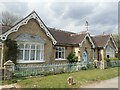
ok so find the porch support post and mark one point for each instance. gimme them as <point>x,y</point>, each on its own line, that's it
<point>93,54</point>
<point>103,61</point>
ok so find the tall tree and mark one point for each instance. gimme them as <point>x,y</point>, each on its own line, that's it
<point>117,40</point>
<point>9,19</point>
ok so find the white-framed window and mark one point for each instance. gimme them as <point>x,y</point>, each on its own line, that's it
<point>110,52</point>
<point>60,53</point>
<point>30,52</point>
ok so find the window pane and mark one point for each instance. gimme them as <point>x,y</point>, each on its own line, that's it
<point>27,46</point>
<point>32,46</point>
<point>56,56</point>
<point>63,49</point>
<point>38,47</point>
<point>20,56</point>
<point>59,55</point>
<point>62,54</point>
<point>42,55</point>
<point>38,55</point>
<point>32,55</point>
<point>60,49</point>
<point>26,54</point>
<point>42,47</point>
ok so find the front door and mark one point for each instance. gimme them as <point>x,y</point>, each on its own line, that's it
<point>85,57</point>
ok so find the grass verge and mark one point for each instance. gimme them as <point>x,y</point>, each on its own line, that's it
<point>60,80</point>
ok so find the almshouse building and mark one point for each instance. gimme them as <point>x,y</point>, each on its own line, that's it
<point>39,44</point>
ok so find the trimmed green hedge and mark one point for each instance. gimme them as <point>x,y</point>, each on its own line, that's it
<point>107,59</point>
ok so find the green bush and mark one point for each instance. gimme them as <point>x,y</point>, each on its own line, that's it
<point>108,62</point>
<point>10,50</point>
<point>84,68</point>
<point>110,59</point>
<point>72,58</point>
<point>90,65</point>
<point>107,59</point>
<point>45,73</point>
<point>113,58</point>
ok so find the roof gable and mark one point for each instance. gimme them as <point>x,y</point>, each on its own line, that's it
<point>100,40</point>
<point>24,21</point>
<point>77,38</point>
<point>90,39</point>
<point>113,41</point>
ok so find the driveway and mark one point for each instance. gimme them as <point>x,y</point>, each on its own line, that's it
<point>111,83</point>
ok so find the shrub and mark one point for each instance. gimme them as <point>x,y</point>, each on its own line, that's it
<point>113,58</point>
<point>108,62</point>
<point>10,50</point>
<point>84,68</point>
<point>107,59</point>
<point>72,58</point>
<point>90,65</point>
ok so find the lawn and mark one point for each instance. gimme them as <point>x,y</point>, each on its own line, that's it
<point>60,81</point>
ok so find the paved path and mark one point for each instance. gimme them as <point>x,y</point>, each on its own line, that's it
<point>9,86</point>
<point>111,83</point>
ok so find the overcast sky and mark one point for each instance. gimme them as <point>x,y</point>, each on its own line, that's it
<point>69,15</point>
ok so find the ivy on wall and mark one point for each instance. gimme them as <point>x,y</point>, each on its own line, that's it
<point>10,50</point>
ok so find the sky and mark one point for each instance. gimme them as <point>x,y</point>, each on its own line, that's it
<point>69,15</point>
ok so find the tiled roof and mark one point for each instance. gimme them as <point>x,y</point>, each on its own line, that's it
<point>65,37</point>
<point>101,40</point>
<point>61,37</point>
<point>77,38</point>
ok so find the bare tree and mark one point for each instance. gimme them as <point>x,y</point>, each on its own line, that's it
<point>9,19</point>
<point>116,38</point>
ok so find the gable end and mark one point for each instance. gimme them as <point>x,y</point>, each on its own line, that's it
<point>93,45</point>
<point>111,37</point>
<point>24,21</point>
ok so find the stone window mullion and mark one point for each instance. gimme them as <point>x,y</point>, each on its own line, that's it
<point>24,52</point>
<point>30,52</point>
<point>35,51</point>
<point>40,52</point>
